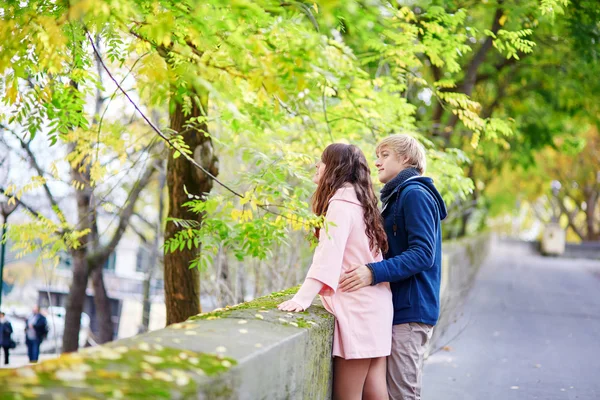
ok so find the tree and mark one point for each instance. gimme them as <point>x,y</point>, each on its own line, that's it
<point>182,284</point>
<point>541,84</point>
<point>579,175</point>
<point>266,84</point>
<point>563,184</point>
<point>50,87</point>
<point>155,259</point>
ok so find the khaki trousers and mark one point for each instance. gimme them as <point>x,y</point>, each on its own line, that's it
<point>405,363</point>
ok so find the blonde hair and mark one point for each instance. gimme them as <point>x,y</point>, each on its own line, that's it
<point>405,147</point>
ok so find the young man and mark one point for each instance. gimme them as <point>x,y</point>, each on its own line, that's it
<point>412,213</point>
<point>36,331</point>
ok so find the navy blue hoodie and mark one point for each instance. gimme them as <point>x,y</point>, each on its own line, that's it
<point>412,220</point>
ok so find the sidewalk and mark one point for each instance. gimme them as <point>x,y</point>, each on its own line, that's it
<point>20,360</point>
<point>529,330</point>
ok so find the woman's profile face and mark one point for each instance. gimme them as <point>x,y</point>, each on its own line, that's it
<point>320,169</point>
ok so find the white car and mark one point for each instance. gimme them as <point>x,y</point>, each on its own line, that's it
<point>56,323</point>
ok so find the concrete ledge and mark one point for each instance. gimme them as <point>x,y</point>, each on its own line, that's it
<point>587,250</point>
<point>460,263</point>
<point>252,351</point>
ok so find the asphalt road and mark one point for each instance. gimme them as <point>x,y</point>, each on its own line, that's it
<point>530,330</point>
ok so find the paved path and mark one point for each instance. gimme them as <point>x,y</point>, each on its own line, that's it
<point>19,360</point>
<point>530,330</point>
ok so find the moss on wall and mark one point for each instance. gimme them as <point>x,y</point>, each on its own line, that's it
<point>142,371</point>
<point>142,368</point>
<point>267,302</point>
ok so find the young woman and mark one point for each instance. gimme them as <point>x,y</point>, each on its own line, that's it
<point>353,235</point>
<point>6,342</point>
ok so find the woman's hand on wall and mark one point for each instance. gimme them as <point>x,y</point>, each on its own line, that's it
<point>290,306</point>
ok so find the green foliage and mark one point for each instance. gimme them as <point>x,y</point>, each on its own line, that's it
<point>283,80</point>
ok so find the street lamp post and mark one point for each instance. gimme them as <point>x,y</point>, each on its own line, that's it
<point>5,209</point>
<point>555,185</point>
<point>2,252</point>
<point>554,237</point>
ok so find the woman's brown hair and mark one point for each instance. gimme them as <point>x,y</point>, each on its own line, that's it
<point>346,163</point>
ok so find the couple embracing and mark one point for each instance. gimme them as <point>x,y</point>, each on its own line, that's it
<point>377,272</point>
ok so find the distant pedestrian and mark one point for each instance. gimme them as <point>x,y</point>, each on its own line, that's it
<point>36,331</point>
<point>6,341</point>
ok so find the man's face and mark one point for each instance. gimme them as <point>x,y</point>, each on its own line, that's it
<point>388,165</point>
<point>36,309</point>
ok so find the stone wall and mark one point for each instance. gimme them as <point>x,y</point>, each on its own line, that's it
<point>460,263</point>
<point>249,351</point>
<point>588,250</point>
<point>585,250</point>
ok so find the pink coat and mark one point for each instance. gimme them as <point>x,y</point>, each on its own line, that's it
<point>363,318</point>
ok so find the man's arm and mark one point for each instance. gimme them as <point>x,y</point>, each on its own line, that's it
<point>420,215</point>
<point>41,321</point>
<point>420,218</point>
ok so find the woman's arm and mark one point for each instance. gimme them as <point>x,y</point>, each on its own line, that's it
<point>324,273</point>
<point>304,297</point>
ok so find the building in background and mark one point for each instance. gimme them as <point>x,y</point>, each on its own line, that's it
<point>124,274</point>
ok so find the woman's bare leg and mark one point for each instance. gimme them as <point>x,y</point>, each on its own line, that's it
<point>375,384</point>
<point>349,378</point>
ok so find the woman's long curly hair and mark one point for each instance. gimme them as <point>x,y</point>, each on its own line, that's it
<point>347,164</point>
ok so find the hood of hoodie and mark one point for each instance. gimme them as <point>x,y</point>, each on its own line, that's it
<point>427,183</point>
<point>346,193</point>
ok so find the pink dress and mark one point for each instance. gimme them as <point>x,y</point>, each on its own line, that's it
<point>363,318</point>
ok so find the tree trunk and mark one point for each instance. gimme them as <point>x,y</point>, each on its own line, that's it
<point>241,286</point>
<point>101,300</point>
<point>470,78</point>
<point>182,284</point>
<point>218,274</point>
<point>75,301</point>
<point>77,295</point>
<point>570,217</point>
<point>464,223</point>
<point>590,216</point>
<point>224,279</point>
<point>154,256</point>
<point>466,214</point>
<point>103,309</point>
<point>146,303</point>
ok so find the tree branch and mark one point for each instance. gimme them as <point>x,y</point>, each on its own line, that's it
<point>571,218</point>
<point>470,78</point>
<point>158,131</point>
<point>144,220</point>
<point>29,208</point>
<point>163,136</point>
<point>39,170</point>
<point>489,110</point>
<point>128,210</point>
<point>479,58</point>
<point>137,232</point>
<point>325,113</point>
<point>506,62</point>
